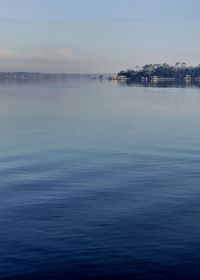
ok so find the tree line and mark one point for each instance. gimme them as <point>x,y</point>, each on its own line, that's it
<point>148,71</point>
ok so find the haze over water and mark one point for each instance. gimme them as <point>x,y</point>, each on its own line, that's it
<point>99,181</point>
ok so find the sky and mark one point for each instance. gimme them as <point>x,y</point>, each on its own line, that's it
<point>97,36</point>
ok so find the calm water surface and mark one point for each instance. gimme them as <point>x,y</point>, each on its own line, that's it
<point>99,181</point>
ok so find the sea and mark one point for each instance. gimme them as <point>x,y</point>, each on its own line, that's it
<point>99,180</point>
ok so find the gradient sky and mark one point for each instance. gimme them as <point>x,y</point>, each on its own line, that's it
<point>90,36</point>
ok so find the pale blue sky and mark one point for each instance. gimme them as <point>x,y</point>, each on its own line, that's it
<point>89,36</point>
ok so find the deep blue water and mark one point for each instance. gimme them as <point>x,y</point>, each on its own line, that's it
<point>99,181</point>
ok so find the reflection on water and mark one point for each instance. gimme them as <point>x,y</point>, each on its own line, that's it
<point>99,181</point>
<point>161,83</point>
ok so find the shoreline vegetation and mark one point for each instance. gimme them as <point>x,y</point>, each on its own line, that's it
<point>36,76</point>
<point>159,72</point>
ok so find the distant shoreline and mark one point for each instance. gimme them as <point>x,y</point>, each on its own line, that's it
<point>37,76</point>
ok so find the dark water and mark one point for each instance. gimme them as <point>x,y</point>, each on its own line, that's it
<point>99,181</point>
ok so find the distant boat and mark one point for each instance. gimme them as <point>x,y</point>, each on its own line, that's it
<point>112,77</point>
<point>121,78</point>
